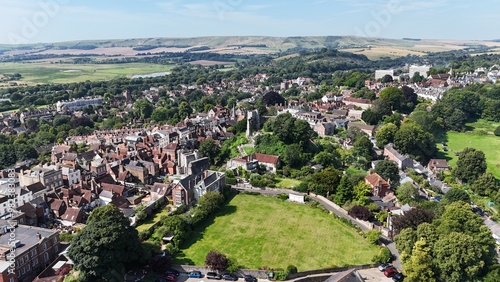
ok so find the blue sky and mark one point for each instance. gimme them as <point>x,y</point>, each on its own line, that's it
<point>29,21</point>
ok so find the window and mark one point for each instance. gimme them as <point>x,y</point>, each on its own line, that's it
<point>33,252</point>
<point>44,246</point>
<point>35,262</point>
<point>46,257</point>
<point>56,247</point>
<point>23,271</point>
<point>26,258</point>
<point>11,279</point>
<point>55,240</point>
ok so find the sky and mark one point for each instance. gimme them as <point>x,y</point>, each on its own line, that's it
<point>34,21</point>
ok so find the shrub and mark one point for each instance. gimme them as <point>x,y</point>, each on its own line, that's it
<point>360,212</point>
<point>145,234</point>
<point>231,181</point>
<point>372,236</point>
<point>383,256</point>
<point>66,237</point>
<point>497,131</point>
<point>280,275</point>
<point>283,196</point>
<point>291,269</point>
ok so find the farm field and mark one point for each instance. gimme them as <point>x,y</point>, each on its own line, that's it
<point>479,136</point>
<point>259,231</point>
<point>34,73</point>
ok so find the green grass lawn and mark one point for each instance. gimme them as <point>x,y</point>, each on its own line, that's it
<point>287,183</point>
<point>65,73</point>
<point>259,231</point>
<point>152,220</point>
<point>489,144</point>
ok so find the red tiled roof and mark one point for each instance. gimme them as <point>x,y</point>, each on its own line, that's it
<point>118,189</point>
<point>72,214</point>
<point>374,180</point>
<point>263,158</point>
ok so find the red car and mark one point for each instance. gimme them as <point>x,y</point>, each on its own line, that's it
<point>389,272</point>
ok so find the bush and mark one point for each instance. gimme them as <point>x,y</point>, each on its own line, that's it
<point>497,131</point>
<point>231,181</point>
<point>372,236</point>
<point>145,234</point>
<point>283,196</point>
<point>291,269</point>
<point>280,275</point>
<point>66,237</point>
<point>360,212</point>
<point>383,256</point>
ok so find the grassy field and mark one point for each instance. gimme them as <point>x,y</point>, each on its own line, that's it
<point>479,136</point>
<point>287,183</point>
<point>152,220</point>
<point>34,73</point>
<point>260,231</point>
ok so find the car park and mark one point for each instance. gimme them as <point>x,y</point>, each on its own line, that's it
<point>229,277</point>
<point>250,278</point>
<point>194,274</point>
<point>390,272</point>
<point>384,266</point>
<point>213,275</point>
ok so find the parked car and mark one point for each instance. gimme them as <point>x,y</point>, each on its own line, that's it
<point>172,271</point>
<point>194,274</point>
<point>213,275</point>
<point>250,278</point>
<point>384,266</point>
<point>170,278</point>
<point>390,272</point>
<point>398,277</point>
<point>229,277</point>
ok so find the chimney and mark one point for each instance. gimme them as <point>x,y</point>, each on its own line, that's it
<point>38,236</point>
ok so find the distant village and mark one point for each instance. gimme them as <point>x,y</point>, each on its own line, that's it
<point>149,165</point>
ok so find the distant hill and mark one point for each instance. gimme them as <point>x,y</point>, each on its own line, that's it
<point>240,45</point>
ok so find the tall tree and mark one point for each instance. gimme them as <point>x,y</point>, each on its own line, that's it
<point>412,140</point>
<point>394,96</point>
<point>407,193</point>
<point>389,171</point>
<point>102,249</point>
<point>419,267</point>
<point>143,109</point>
<point>405,241</point>
<point>458,258</point>
<point>411,219</point>
<point>470,165</point>
<point>325,182</point>
<point>344,191</point>
<point>485,185</point>
<point>209,149</point>
<point>216,261</point>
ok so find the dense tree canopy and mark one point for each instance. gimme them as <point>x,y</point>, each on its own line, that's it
<point>412,140</point>
<point>102,249</point>
<point>389,171</point>
<point>470,165</point>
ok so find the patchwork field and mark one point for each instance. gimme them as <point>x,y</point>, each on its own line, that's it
<point>259,231</point>
<point>480,137</point>
<point>34,73</point>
